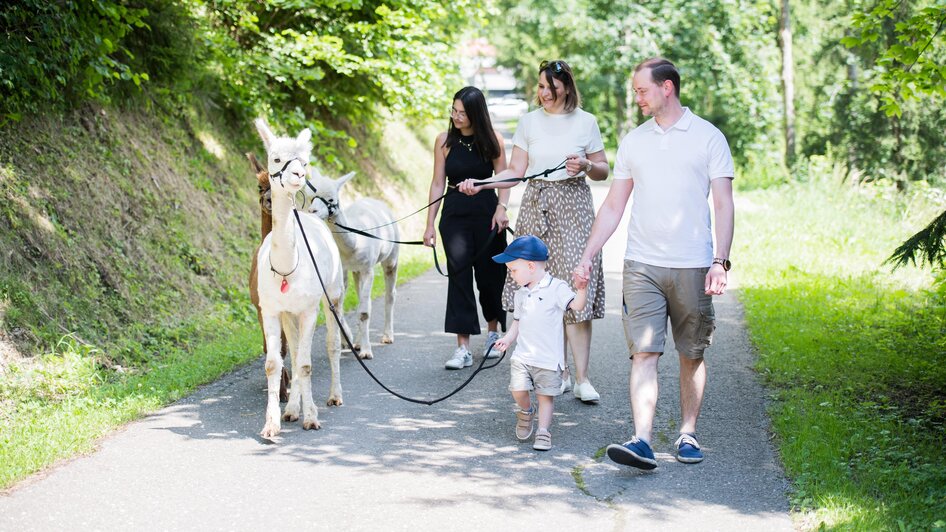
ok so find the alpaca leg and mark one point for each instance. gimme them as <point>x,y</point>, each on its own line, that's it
<point>366,279</point>
<point>333,347</point>
<point>356,338</point>
<point>291,330</point>
<point>310,414</point>
<point>273,368</point>
<point>390,293</point>
<point>284,378</point>
<point>340,308</point>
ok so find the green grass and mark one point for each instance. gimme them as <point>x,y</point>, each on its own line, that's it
<point>853,353</point>
<point>59,405</point>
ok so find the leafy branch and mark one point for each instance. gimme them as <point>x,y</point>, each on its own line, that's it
<point>929,244</point>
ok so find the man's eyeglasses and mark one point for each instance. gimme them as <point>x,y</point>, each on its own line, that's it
<point>556,66</point>
<point>457,114</point>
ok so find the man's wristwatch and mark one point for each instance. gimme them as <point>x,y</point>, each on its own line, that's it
<point>723,262</point>
<point>588,167</point>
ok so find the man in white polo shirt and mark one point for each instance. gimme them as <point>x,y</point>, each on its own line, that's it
<point>671,163</point>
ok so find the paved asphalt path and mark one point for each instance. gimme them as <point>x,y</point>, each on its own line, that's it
<point>380,463</point>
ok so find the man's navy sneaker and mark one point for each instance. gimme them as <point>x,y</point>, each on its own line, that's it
<point>635,453</point>
<point>688,449</point>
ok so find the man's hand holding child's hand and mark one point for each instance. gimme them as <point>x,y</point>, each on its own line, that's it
<point>580,282</point>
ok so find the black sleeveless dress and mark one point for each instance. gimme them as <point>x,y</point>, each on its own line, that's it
<point>464,231</point>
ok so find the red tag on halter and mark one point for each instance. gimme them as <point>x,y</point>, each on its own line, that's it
<point>284,287</point>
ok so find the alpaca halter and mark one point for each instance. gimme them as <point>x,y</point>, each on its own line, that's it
<point>278,175</point>
<point>331,205</point>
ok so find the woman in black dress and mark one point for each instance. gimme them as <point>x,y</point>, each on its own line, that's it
<point>470,149</point>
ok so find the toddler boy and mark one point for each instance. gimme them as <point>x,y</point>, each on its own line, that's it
<point>537,362</point>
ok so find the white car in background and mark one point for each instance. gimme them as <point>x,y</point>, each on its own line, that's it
<point>505,105</point>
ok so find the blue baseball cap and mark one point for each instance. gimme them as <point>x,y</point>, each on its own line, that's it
<point>525,247</point>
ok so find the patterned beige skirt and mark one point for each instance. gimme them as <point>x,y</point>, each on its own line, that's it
<point>561,214</point>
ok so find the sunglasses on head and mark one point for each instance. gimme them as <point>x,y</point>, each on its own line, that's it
<point>557,67</point>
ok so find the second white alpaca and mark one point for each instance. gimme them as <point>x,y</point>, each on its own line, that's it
<point>361,253</point>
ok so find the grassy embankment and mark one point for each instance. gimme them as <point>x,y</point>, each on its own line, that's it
<point>853,353</point>
<point>127,238</point>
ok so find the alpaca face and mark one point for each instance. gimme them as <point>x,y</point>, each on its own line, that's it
<point>326,203</point>
<point>287,158</point>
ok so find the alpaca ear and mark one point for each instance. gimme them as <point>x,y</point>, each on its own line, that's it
<point>304,136</point>
<point>264,132</point>
<point>345,178</point>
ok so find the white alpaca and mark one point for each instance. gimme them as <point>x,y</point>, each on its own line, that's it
<point>361,253</point>
<point>289,289</point>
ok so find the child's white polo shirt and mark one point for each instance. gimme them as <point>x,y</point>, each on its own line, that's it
<point>540,311</point>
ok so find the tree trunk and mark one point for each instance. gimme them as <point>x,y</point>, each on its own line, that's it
<point>788,81</point>
<point>629,120</point>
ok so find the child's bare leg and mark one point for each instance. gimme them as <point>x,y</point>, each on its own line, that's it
<point>522,399</point>
<point>546,405</point>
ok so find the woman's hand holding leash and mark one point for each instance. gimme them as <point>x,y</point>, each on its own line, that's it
<point>467,187</point>
<point>430,236</point>
<point>500,219</point>
<point>574,164</point>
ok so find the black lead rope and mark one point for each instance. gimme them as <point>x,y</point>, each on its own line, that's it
<point>341,329</point>
<point>492,236</point>
<point>451,188</point>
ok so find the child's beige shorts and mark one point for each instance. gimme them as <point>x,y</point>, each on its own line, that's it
<point>523,377</point>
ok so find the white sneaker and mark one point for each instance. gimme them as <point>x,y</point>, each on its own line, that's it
<point>491,338</point>
<point>586,393</point>
<point>461,359</point>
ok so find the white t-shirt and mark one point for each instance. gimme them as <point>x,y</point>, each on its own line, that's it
<point>670,219</point>
<point>549,138</point>
<point>541,311</point>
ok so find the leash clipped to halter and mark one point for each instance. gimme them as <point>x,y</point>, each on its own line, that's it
<point>351,346</point>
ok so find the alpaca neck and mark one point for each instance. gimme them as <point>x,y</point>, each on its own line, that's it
<point>283,241</point>
<point>265,223</point>
<point>346,240</point>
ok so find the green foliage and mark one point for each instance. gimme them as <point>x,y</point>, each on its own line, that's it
<point>325,64</point>
<point>64,52</point>
<point>854,355</point>
<point>330,65</point>
<point>929,243</point>
<point>723,48</point>
<point>906,44</point>
<point>911,62</point>
<point>837,113</point>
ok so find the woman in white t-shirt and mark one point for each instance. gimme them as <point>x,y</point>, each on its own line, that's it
<point>558,207</point>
